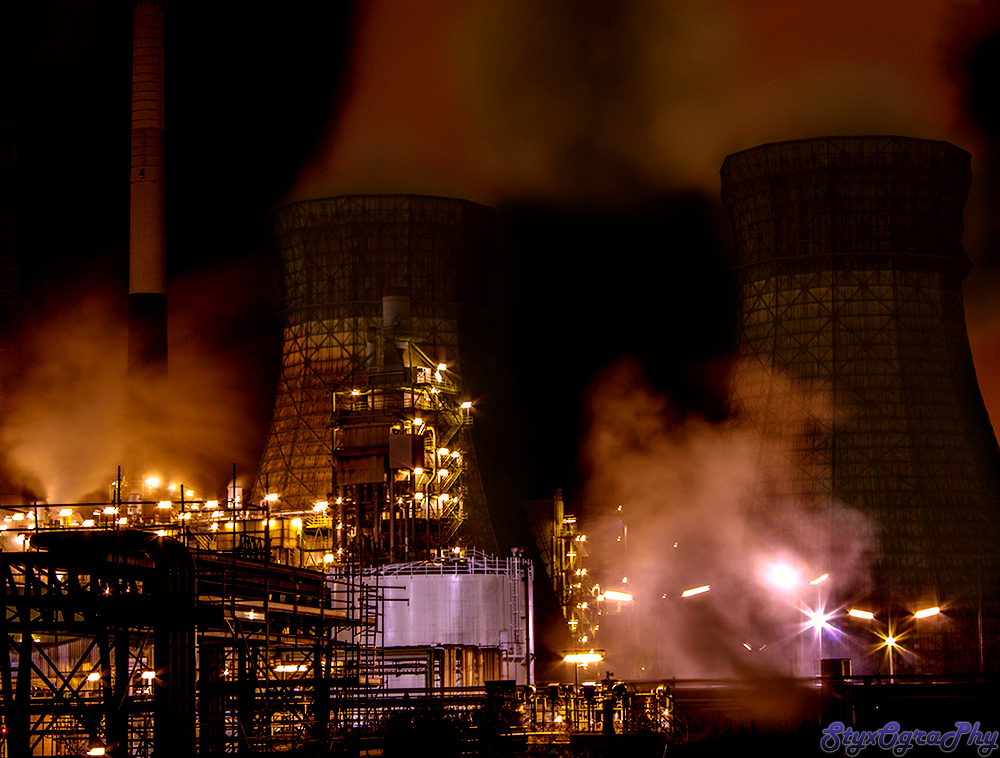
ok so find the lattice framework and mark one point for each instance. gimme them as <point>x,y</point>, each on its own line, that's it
<point>850,258</point>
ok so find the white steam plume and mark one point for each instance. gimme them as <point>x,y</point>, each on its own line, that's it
<point>717,505</point>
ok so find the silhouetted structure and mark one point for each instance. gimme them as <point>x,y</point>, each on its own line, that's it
<point>850,259</point>
<point>384,303</point>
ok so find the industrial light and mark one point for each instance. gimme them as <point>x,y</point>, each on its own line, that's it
<point>110,510</point>
<point>443,497</point>
<point>418,422</point>
<point>818,619</point>
<point>858,614</point>
<point>443,452</point>
<point>926,612</point>
<point>163,504</point>
<point>584,657</point>
<point>320,506</point>
<point>152,482</point>
<point>818,579</point>
<point>442,366</point>
<point>615,595</point>
<point>466,405</point>
<point>19,517</point>
<point>65,512</point>
<point>271,497</point>
<point>296,523</point>
<point>88,522</point>
<point>418,496</point>
<point>147,675</point>
<point>211,504</point>
<point>696,590</point>
<point>783,576</point>
<point>328,558</point>
<point>93,676</point>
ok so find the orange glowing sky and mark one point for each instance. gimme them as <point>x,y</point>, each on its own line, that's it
<point>414,117</point>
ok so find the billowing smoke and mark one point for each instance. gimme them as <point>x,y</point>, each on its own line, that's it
<point>691,506</point>
<point>70,424</point>
<point>569,97</point>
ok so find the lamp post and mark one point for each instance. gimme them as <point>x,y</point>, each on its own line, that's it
<point>582,658</point>
<point>890,640</point>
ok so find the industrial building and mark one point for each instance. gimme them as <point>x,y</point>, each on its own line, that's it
<point>850,260</point>
<point>384,317</point>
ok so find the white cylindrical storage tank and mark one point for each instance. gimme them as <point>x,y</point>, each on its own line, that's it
<point>461,612</point>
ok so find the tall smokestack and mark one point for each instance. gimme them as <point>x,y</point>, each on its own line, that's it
<point>147,300</point>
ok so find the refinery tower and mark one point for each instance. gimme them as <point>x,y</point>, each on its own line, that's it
<point>850,260</point>
<point>370,437</point>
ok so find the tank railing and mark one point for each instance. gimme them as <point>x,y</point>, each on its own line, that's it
<point>470,562</point>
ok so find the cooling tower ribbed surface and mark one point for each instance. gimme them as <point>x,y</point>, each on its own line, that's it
<point>340,256</point>
<point>850,260</point>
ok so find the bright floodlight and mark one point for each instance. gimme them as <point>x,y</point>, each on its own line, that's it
<point>818,619</point>
<point>783,576</point>
<point>861,614</point>
<point>927,612</point>
<point>584,657</point>
<point>271,497</point>
<point>890,642</point>
<point>616,595</point>
<point>696,590</point>
<point>819,579</point>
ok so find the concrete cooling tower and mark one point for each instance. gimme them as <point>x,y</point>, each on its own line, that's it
<point>384,302</point>
<point>850,260</point>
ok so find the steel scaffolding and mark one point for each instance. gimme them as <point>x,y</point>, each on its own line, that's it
<point>850,259</point>
<point>341,258</point>
<point>134,644</point>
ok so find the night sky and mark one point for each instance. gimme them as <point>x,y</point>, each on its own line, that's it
<point>596,129</point>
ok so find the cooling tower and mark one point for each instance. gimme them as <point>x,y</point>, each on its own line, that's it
<point>378,291</point>
<point>850,260</point>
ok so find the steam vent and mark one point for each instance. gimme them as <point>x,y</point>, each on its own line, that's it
<point>850,260</point>
<point>383,304</point>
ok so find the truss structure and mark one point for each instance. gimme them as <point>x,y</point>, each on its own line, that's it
<point>341,256</point>
<point>136,644</point>
<point>850,259</point>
